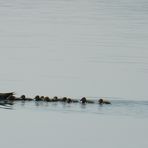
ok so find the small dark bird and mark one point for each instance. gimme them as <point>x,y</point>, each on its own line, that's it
<point>64,99</point>
<point>69,100</point>
<point>47,99</point>
<point>83,100</point>
<point>55,99</point>
<point>37,98</point>
<point>23,97</point>
<point>101,101</point>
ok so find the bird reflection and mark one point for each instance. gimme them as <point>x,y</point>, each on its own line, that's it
<point>6,104</point>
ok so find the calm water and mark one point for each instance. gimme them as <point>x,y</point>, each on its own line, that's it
<point>122,108</point>
<point>74,47</point>
<point>32,124</point>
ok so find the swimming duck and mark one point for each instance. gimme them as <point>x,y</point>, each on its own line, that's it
<point>64,99</point>
<point>83,100</point>
<point>69,100</point>
<point>55,99</point>
<point>42,97</point>
<point>47,99</point>
<point>23,98</point>
<point>6,95</point>
<point>37,98</point>
<point>102,101</point>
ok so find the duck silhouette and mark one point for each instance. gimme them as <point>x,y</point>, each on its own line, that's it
<point>83,100</point>
<point>102,101</point>
<point>4,96</point>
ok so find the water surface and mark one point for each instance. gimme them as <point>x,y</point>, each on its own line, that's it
<point>124,123</point>
<point>74,47</point>
<point>122,108</point>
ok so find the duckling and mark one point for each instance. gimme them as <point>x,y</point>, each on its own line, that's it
<point>42,98</point>
<point>23,97</point>
<point>69,100</point>
<point>47,99</point>
<point>55,99</point>
<point>83,100</point>
<point>64,99</point>
<point>101,101</point>
<point>37,98</point>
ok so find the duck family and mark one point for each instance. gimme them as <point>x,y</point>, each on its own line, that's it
<point>11,97</point>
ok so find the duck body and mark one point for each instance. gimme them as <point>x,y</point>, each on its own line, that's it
<point>90,101</point>
<point>47,99</point>
<point>38,98</point>
<point>64,99</point>
<point>23,98</point>
<point>102,101</point>
<point>4,96</point>
<point>83,100</point>
<point>75,101</point>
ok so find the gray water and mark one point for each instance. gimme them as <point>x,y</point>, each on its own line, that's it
<point>74,48</point>
<point>42,124</point>
<point>122,108</point>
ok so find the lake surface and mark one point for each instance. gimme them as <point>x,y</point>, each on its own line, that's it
<point>123,108</point>
<point>42,124</point>
<point>74,48</point>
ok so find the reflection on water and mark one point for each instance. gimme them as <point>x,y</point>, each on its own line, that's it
<point>6,104</point>
<point>118,107</point>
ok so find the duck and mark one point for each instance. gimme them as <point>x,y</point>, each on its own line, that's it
<point>38,98</point>
<point>42,97</point>
<point>23,98</point>
<point>83,100</point>
<point>69,100</point>
<point>64,99</point>
<point>4,96</point>
<point>55,99</point>
<point>47,99</point>
<point>102,101</point>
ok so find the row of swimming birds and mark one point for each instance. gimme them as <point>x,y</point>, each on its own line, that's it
<point>11,97</point>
